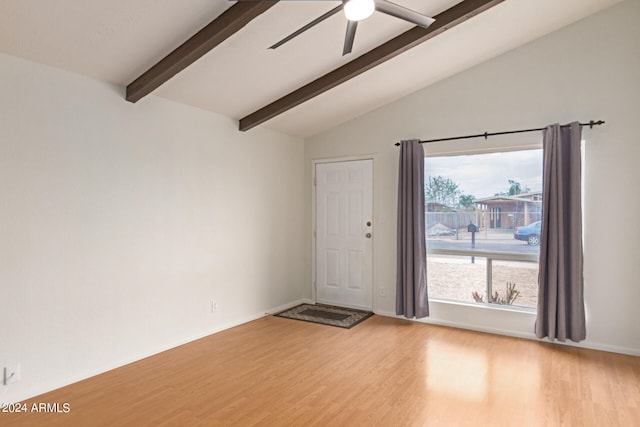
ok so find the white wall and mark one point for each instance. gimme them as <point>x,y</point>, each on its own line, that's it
<point>119,223</point>
<point>588,70</point>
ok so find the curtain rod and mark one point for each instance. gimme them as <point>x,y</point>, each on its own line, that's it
<point>591,124</point>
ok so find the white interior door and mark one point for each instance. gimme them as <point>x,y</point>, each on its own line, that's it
<point>344,233</point>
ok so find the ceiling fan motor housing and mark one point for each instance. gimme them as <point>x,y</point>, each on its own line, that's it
<point>357,10</point>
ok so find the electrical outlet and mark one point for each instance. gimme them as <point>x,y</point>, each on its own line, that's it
<point>11,374</point>
<point>383,291</point>
<point>214,305</point>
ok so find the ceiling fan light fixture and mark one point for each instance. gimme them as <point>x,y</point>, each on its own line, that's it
<point>357,10</point>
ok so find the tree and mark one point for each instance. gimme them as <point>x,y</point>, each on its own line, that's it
<point>442,190</point>
<point>467,201</point>
<point>515,188</point>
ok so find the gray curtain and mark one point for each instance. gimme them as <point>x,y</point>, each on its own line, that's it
<point>560,281</point>
<point>411,287</point>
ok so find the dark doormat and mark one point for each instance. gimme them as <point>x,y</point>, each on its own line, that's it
<point>326,315</point>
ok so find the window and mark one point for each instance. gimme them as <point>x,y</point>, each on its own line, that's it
<point>483,215</point>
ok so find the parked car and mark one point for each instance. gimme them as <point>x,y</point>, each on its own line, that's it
<point>529,233</point>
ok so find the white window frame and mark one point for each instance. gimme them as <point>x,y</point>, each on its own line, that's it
<point>489,256</point>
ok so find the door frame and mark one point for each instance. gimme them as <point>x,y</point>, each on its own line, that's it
<point>374,275</point>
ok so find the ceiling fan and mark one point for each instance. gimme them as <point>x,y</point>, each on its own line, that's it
<point>355,11</point>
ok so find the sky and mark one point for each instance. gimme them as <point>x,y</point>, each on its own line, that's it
<point>484,175</point>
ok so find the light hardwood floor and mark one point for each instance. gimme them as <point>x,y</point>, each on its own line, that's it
<point>383,372</point>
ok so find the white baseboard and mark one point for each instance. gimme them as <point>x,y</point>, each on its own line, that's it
<point>517,334</point>
<point>119,363</point>
<point>224,326</point>
<point>288,306</point>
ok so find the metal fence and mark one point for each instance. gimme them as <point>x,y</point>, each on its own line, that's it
<point>459,220</point>
<point>451,220</point>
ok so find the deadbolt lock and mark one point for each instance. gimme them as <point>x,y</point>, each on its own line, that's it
<point>368,223</point>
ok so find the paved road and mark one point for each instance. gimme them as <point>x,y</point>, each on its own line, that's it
<point>514,246</point>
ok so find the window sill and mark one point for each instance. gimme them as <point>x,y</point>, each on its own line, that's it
<point>498,307</point>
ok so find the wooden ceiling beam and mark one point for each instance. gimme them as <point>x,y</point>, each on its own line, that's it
<point>394,47</point>
<point>217,31</point>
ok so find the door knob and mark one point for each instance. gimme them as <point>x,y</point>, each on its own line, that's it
<point>368,235</point>
<point>368,223</point>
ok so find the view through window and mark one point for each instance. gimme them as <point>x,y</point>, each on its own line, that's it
<point>483,215</point>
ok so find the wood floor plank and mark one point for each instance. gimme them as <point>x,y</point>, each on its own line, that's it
<point>383,372</point>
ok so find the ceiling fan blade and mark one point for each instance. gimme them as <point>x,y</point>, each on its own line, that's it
<point>306,27</point>
<point>349,37</point>
<point>401,12</point>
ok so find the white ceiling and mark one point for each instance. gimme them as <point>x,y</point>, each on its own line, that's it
<point>117,40</point>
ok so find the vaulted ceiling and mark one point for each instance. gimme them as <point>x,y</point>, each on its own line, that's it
<point>117,41</point>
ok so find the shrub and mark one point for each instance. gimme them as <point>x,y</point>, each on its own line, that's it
<point>510,296</point>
